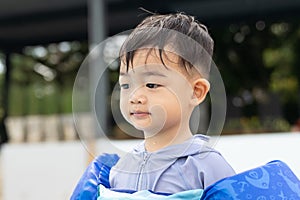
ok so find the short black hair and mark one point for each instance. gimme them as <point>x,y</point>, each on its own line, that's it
<point>190,39</point>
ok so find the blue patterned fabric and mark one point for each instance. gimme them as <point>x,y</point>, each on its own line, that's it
<point>273,181</point>
<point>96,173</point>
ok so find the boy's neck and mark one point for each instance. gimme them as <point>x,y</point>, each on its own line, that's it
<point>161,140</point>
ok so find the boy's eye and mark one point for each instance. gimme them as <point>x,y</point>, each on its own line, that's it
<point>152,85</point>
<point>124,86</point>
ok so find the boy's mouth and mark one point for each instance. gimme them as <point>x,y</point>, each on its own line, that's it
<point>139,113</point>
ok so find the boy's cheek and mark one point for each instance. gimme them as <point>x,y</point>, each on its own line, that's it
<point>123,102</point>
<point>123,107</point>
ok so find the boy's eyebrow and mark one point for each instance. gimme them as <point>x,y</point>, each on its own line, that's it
<point>154,74</point>
<point>145,73</point>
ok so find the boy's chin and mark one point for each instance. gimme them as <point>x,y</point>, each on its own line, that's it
<point>141,127</point>
<point>149,131</point>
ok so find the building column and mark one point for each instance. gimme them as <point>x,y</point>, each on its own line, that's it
<point>4,137</point>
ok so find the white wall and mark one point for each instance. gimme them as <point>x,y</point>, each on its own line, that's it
<point>248,151</point>
<point>44,171</point>
<point>50,170</point>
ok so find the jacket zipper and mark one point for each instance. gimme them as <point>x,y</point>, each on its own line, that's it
<point>141,171</point>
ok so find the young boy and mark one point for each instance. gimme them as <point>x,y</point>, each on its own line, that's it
<point>164,70</point>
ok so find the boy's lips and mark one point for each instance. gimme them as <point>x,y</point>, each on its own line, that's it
<point>139,113</point>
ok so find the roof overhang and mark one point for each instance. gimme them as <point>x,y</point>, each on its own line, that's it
<point>35,22</point>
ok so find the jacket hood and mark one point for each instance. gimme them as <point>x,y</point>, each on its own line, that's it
<point>162,158</point>
<point>188,147</point>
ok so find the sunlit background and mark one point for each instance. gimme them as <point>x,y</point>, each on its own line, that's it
<point>43,44</point>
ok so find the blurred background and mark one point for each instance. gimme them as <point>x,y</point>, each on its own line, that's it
<point>43,43</point>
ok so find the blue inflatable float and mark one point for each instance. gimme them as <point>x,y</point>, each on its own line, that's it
<point>272,181</point>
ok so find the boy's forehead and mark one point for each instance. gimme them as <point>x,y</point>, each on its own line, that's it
<point>151,57</point>
<point>146,70</point>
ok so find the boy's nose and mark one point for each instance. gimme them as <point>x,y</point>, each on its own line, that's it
<point>138,99</point>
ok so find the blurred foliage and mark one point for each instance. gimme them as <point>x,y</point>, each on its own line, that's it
<point>255,125</point>
<point>257,60</point>
<point>42,78</point>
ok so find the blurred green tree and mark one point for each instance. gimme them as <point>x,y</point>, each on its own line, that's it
<point>258,62</point>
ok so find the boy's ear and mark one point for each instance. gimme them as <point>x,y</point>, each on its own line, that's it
<point>201,87</point>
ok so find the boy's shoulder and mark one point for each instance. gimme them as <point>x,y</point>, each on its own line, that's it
<point>199,146</point>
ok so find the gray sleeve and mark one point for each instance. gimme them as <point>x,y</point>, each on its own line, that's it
<point>213,168</point>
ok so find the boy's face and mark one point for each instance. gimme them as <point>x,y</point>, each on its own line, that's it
<point>154,98</point>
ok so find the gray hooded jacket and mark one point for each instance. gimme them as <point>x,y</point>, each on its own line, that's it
<point>180,167</point>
